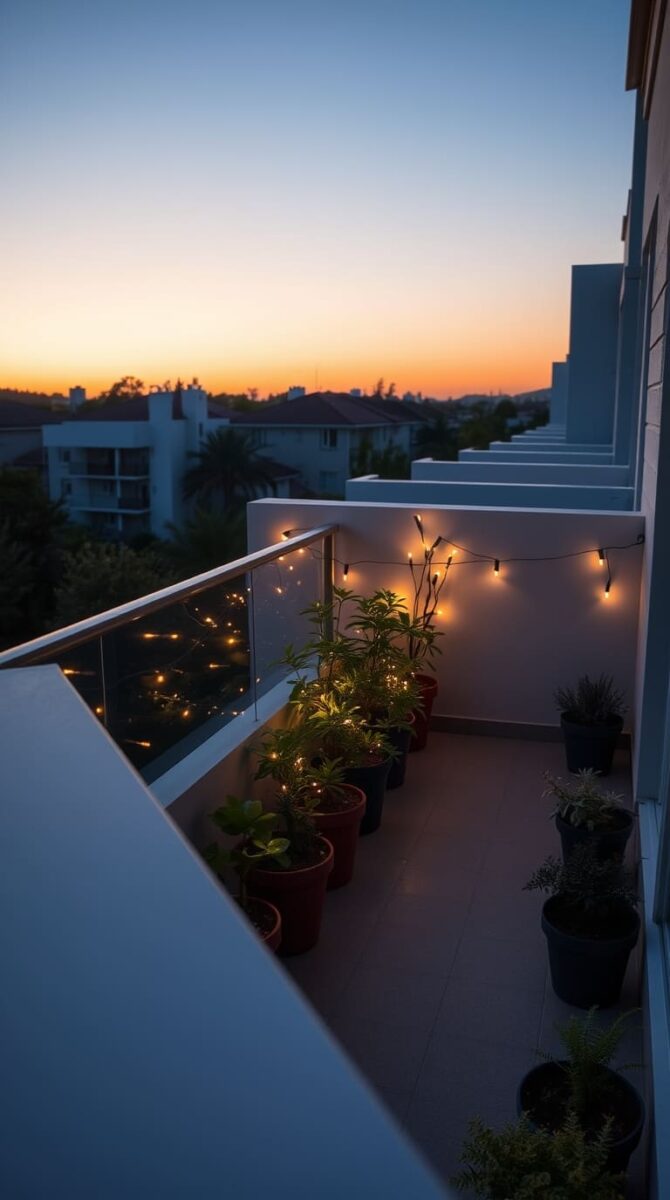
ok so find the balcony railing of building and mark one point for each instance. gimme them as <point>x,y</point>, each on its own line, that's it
<point>167,671</point>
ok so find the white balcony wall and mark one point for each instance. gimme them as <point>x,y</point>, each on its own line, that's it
<point>532,472</point>
<point>582,457</point>
<point>505,495</point>
<point>509,641</point>
<point>153,1048</point>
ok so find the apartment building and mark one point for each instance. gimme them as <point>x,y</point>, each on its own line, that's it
<point>320,434</point>
<point>119,468</point>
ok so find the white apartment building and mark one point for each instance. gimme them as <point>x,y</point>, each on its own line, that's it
<point>119,468</point>
<point>321,433</point>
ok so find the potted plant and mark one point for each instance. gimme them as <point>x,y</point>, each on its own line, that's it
<point>379,678</point>
<point>427,582</point>
<point>364,755</point>
<point>317,786</point>
<point>585,812</point>
<point>591,721</point>
<point>582,1082</point>
<point>523,1163</point>
<point>590,923</point>
<point>245,819</point>
<point>296,884</point>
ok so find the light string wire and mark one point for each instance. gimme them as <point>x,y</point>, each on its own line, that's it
<point>477,558</point>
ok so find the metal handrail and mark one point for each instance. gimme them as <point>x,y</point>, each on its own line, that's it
<point>73,635</point>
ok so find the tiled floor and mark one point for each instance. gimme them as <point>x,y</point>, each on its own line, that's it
<point>432,969</point>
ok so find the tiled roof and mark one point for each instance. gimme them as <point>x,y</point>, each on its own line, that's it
<point>330,409</point>
<point>135,409</point>
<point>26,416</point>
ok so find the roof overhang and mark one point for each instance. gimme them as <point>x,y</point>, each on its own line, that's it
<point>638,41</point>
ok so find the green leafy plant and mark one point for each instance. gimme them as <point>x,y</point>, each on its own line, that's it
<point>523,1163</point>
<point>582,802</point>
<point>289,755</point>
<point>246,820</point>
<point>592,893</point>
<point>589,1049</point>
<point>592,701</point>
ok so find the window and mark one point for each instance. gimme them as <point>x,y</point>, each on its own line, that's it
<point>64,456</point>
<point>329,439</point>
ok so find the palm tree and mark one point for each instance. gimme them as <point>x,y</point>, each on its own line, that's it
<point>228,469</point>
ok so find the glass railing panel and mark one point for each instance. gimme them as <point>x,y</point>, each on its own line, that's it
<point>174,678</point>
<point>173,670</point>
<point>282,591</point>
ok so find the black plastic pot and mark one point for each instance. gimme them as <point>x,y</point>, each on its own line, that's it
<point>625,1100</point>
<point>371,779</point>
<point>588,970</point>
<point>607,843</point>
<point>590,747</point>
<point>400,739</point>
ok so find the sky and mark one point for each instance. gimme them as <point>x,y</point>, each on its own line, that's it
<point>264,193</point>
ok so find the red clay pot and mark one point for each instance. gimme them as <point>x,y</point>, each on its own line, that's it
<point>299,896</point>
<point>342,830</point>
<point>272,938</point>
<point>428,686</point>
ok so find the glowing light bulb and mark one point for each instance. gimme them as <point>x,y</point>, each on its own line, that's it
<point>496,567</point>
<point>160,679</point>
<point>601,557</point>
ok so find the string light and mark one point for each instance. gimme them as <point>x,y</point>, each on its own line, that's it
<point>601,557</point>
<point>345,571</point>
<point>496,566</point>
<point>608,586</point>
<point>99,710</point>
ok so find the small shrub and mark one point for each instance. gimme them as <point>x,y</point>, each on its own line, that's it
<point>592,702</point>
<point>582,802</point>
<point>522,1163</point>
<point>593,894</point>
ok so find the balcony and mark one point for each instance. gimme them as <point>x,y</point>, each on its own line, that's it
<point>431,968</point>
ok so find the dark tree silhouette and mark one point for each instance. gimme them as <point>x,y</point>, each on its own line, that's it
<point>228,470</point>
<point>206,540</point>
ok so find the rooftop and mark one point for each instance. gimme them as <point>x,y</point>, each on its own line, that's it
<point>332,408</point>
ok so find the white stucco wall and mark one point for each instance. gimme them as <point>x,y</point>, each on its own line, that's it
<point>509,641</point>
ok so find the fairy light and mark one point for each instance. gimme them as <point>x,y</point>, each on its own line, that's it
<point>608,587</point>
<point>345,571</point>
<point>186,712</point>
<point>496,566</point>
<point>601,557</point>
<point>99,710</point>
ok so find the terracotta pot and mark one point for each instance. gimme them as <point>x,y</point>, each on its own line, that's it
<point>299,895</point>
<point>342,829</point>
<point>272,937</point>
<point>428,686</point>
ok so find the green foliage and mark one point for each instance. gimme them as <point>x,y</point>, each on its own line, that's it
<point>227,471</point>
<point>389,463</point>
<point>438,439</point>
<point>522,1163</point>
<point>100,575</point>
<point>592,892</point>
<point>206,540</point>
<point>589,1048</point>
<point>33,534</point>
<point>246,820</point>
<point>582,802</point>
<point>291,756</point>
<point>16,581</point>
<point>592,702</point>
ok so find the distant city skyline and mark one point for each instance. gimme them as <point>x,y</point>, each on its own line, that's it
<point>305,193</point>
